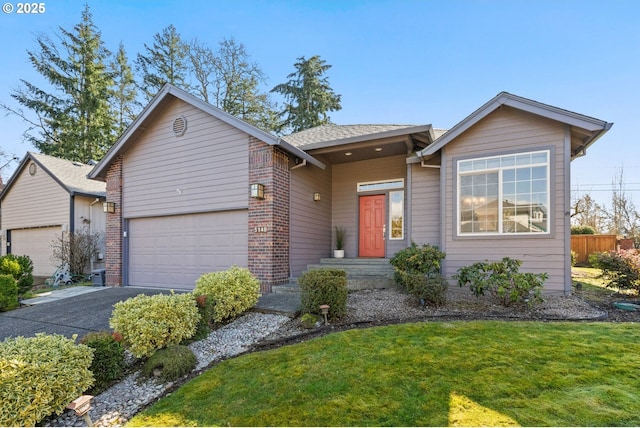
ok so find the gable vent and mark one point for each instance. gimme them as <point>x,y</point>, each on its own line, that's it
<point>179,126</point>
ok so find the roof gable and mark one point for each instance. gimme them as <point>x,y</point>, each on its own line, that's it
<point>70,175</point>
<point>162,98</point>
<point>587,129</point>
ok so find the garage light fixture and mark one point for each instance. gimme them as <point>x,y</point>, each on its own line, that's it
<point>316,196</point>
<point>109,207</point>
<point>257,191</point>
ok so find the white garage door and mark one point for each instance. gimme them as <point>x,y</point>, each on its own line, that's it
<point>174,251</point>
<point>36,243</point>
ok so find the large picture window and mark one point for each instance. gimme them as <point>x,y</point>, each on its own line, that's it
<point>504,194</point>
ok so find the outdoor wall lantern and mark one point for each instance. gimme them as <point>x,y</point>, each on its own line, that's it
<point>316,196</point>
<point>109,207</point>
<point>257,191</point>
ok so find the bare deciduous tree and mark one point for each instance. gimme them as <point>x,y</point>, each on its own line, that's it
<point>77,249</point>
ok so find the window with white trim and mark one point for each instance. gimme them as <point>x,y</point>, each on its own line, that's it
<point>506,194</point>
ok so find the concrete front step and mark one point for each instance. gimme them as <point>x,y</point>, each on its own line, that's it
<point>362,274</point>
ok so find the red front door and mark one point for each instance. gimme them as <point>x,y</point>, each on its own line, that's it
<point>372,226</point>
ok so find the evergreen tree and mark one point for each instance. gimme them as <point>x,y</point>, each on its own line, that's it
<point>73,122</point>
<point>123,100</point>
<point>308,96</point>
<point>165,62</point>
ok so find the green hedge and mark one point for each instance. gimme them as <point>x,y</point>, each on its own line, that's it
<point>324,287</point>
<point>21,268</point>
<point>8,293</point>
<point>149,323</point>
<point>108,359</point>
<point>40,376</point>
<point>231,292</point>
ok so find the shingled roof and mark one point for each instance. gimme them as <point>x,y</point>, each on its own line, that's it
<point>332,135</point>
<point>72,176</point>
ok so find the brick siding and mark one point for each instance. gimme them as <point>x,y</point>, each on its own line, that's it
<point>113,256</point>
<point>269,218</point>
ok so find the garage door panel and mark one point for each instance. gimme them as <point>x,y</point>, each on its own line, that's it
<point>36,243</point>
<point>174,251</point>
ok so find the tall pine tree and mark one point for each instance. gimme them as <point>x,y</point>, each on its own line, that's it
<point>167,61</point>
<point>123,100</point>
<point>308,96</point>
<point>74,122</point>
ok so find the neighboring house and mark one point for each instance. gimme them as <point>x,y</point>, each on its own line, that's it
<point>182,178</point>
<point>45,197</point>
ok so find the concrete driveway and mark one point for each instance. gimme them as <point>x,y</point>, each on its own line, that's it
<point>78,311</point>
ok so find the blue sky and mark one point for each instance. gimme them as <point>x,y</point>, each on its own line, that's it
<point>399,61</point>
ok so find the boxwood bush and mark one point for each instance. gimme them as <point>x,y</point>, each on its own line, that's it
<point>324,287</point>
<point>149,323</point>
<point>8,293</point>
<point>172,362</point>
<point>21,268</point>
<point>39,376</point>
<point>231,292</point>
<point>108,359</point>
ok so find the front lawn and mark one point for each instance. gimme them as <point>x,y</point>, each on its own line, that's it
<point>444,374</point>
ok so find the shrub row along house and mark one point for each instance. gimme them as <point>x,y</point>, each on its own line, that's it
<point>194,190</point>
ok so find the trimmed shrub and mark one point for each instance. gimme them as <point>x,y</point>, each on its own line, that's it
<point>415,259</point>
<point>108,359</point>
<point>309,320</point>
<point>503,281</point>
<point>324,287</point>
<point>205,310</point>
<point>172,363</point>
<point>149,323</point>
<point>40,376</point>
<point>430,290</point>
<point>621,269</point>
<point>231,292</point>
<point>21,268</point>
<point>8,293</point>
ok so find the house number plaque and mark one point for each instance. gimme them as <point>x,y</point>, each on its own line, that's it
<point>260,229</point>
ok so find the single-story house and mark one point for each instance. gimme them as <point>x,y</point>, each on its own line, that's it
<point>196,189</point>
<point>45,197</point>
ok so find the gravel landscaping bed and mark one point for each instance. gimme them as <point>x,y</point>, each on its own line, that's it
<point>255,331</point>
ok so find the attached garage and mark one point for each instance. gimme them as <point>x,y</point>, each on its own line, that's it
<point>173,251</point>
<point>35,243</point>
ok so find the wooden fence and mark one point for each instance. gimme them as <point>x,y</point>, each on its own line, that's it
<point>584,245</point>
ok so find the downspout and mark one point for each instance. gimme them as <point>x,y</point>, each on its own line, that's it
<point>567,214</point>
<point>409,206</point>
<point>72,214</point>
<point>91,223</point>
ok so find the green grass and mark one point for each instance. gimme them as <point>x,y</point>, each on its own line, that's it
<point>593,287</point>
<point>445,374</point>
